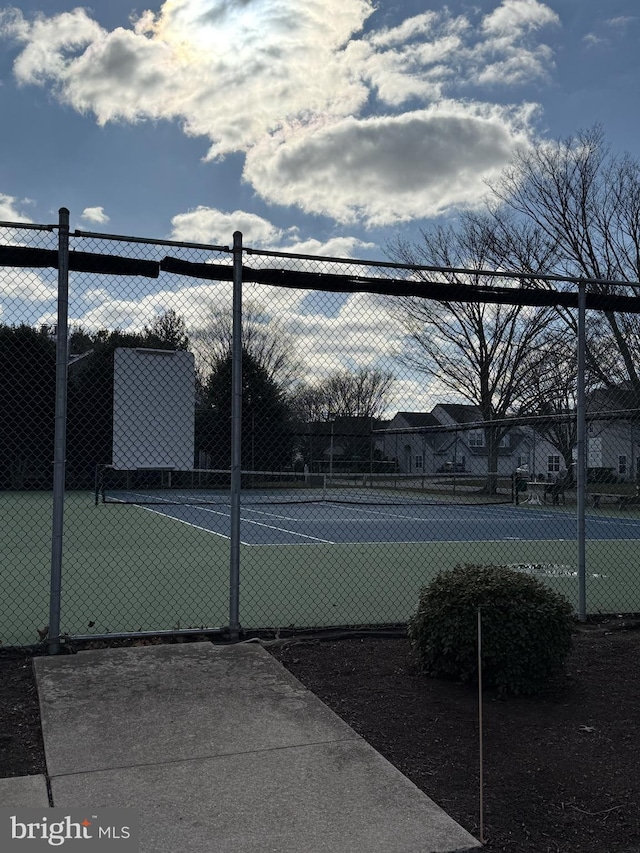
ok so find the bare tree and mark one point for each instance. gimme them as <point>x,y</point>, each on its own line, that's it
<point>551,394</point>
<point>586,203</point>
<point>264,338</point>
<point>484,353</point>
<point>169,328</point>
<point>365,393</point>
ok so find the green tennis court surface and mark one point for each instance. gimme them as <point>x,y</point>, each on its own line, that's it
<point>129,568</point>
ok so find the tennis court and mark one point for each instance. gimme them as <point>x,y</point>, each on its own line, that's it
<point>339,523</point>
<point>131,567</point>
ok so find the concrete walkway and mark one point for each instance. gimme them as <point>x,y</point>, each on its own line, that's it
<point>221,749</point>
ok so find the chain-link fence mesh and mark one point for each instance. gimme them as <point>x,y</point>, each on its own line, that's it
<point>387,433</point>
<point>27,400</point>
<point>391,425</point>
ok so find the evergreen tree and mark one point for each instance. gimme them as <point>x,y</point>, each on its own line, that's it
<point>27,412</point>
<point>267,437</point>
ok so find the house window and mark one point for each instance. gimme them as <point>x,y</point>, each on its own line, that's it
<point>504,441</point>
<point>553,464</point>
<point>476,438</point>
<point>523,461</point>
<point>622,464</point>
<point>594,453</point>
<point>419,463</point>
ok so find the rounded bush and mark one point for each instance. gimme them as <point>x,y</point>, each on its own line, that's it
<point>526,628</point>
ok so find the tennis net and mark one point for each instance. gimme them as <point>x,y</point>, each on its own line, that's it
<point>206,487</point>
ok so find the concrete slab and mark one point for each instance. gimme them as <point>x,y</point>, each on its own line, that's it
<point>24,792</point>
<point>222,748</point>
<point>140,705</point>
<point>340,797</point>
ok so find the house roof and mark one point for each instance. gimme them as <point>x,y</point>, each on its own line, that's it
<point>462,413</point>
<point>615,399</point>
<point>419,419</point>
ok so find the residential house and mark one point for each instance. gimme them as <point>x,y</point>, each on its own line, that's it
<point>613,433</point>
<point>451,438</point>
<point>410,452</point>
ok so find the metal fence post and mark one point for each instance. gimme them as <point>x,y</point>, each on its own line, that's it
<point>236,439</point>
<point>581,461</point>
<point>60,436</point>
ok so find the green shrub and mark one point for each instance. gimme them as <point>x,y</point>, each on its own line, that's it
<point>526,628</point>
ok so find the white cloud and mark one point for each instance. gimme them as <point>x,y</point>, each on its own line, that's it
<point>22,285</point>
<point>279,59</point>
<point>210,225</point>
<point>95,214</point>
<point>518,16</point>
<point>430,53</point>
<point>48,42</point>
<point>27,286</point>
<point>418,25</point>
<point>281,80</point>
<point>621,21</point>
<point>386,170</point>
<point>9,210</point>
<point>213,226</point>
<point>340,334</point>
<point>330,331</point>
<point>591,40</point>
<point>609,31</point>
<point>418,394</point>
<point>334,247</point>
<point>508,55</point>
<point>521,67</point>
<point>98,308</point>
<point>410,60</point>
<point>416,71</point>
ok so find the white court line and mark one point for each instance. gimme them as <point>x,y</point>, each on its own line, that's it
<point>271,514</point>
<point>225,536</point>
<point>271,527</point>
<point>227,515</point>
<point>243,508</point>
<point>622,522</point>
<point>367,542</point>
<point>426,542</point>
<point>389,515</point>
<point>504,515</point>
<point>182,521</point>
<point>393,516</point>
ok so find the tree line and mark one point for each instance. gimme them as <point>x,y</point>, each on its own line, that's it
<point>569,207</point>
<point>277,406</point>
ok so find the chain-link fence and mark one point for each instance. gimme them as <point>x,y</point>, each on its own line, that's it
<point>27,403</point>
<point>226,439</point>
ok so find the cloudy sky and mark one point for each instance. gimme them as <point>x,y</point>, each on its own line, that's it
<point>332,121</point>
<point>323,126</point>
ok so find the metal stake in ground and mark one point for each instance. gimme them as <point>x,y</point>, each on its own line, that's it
<point>480,745</point>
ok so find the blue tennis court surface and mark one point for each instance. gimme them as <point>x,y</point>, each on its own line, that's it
<point>155,567</point>
<point>328,523</point>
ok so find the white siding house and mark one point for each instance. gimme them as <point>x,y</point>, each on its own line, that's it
<point>447,439</point>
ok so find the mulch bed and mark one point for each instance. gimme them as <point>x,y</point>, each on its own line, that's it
<point>561,769</point>
<point>21,746</point>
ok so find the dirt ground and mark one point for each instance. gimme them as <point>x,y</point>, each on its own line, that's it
<point>561,769</point>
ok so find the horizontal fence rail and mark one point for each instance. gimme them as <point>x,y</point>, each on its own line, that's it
<point>221,439</point>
